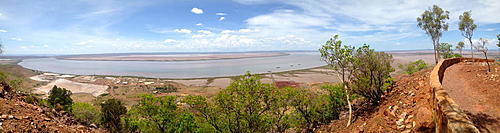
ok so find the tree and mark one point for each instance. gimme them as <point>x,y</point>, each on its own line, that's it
<point>372,71</point>
<point>467,26</point>
<point>111,112</point>
<point>498,37</point>
<point>433,22</point>
<point>413,66</point>
<point>247,105</point>
<point>60,98</point>
<point>446,52</point>
<point>85,112</point>
<point>340,58</point>
<point>460,47</point>
<point>481,47</point>
<point>161,114</point>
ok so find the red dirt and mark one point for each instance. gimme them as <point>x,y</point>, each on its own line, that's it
<point>19,116</point>
<point>405,108</point>
<point>477,92</point>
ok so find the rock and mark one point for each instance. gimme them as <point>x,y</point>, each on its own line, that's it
<point>4,117</point>
<point>47,119</point>
<point>11,117</point>
<point>406,131</point>
<point>403,115</point>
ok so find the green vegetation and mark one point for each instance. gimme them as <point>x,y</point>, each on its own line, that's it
<point>481,47</point>
<point>159,114</point>
<point>111,112</point>
<point>433,22</point>
<point>340,58</point>
<point>413,66</point>
<point>498,37</point>
<point>446,52</point>
<point>460,47</point>
<point>85,113</point>
<point>166,89</point>
<point>59,98</point>
<point>467,26</point>
<point>371,72</point>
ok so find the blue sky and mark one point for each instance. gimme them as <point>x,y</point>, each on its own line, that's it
<point>109,26</point>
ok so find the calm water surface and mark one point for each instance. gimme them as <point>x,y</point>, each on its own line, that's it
<point>177,69</point>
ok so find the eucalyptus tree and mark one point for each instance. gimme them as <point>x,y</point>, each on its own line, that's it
<point>481,47</point>
<point>467,26</point>
<point>498,37</point>
<point>433,22</point>
<point>460,47</point>
<point>340,58</point>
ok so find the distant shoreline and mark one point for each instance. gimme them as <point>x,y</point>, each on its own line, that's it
<point>172,57</point>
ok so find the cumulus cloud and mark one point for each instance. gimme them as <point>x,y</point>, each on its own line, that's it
<point>204,31</point>
<point>3,30</point>
<point>222,18</point>
<point>169,41</point>
<point>186,31</point>
<point>16,39</point>
<point>199,24</point>
<point>220,14</point>
<point>197,11</point>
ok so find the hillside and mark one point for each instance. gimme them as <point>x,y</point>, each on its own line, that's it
<point>18,116</point>
<point>405,108</point>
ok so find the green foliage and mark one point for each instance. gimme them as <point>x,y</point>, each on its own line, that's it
<point>466,24</point>
<point>248,105</point>
<point>498,37</point>
<point>111,112</point>
<point>413,66</point>
<point>433,22</point>
<point>60,98</point>
<point>372,71</point>
<point>338,56</point>
<point>85,113</point>
<point>460,46</point>
<point>167,89</point>
<point>159,114</point>
<point>445,50</point>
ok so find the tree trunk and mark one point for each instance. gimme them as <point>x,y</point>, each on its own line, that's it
<point>471,48</point>
<point>487,62</point>
<point>349,105</point>
<point>435,52</point>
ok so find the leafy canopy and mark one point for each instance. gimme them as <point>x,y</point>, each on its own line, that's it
<point>60,98</point>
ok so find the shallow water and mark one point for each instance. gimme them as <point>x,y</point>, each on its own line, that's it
<point>178,69</point>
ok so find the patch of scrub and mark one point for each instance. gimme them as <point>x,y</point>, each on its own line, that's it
<point>74,87</point>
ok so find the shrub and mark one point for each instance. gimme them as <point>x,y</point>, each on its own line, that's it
<point>60,98</point>
<point>247,105</point>
<point>413,66</point>
<point>160,114</point>
<point>111,112</point>
<point>85,113</point>
<point>167,89</point>
<point>372,71</point>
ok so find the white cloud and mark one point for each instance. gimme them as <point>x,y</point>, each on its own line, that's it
<point>170,41</point>
<point>247,30</point>
<point>3,30</point>
<point>199,24</point>
<point>45,46</point>
<point>220,14</point>
<point>197,11</point>
<point>204,31</point>
<point>183,31</point>
<point>227,31</point>
<point>16,39</point>
<point>198,36</point>
<point>222,18</point>
<point>490,29</point>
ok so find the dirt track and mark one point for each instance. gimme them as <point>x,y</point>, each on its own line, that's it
<point>477,92</point>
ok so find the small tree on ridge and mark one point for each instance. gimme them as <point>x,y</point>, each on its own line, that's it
<point>433,22</point>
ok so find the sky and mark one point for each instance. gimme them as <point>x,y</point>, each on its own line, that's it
<point>121,26</point>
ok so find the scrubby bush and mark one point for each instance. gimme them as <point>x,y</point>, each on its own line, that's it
<point>167,89</point>
<point>413,67</point>
<point>159,114</point>
<point>446,51</point>
<point>372,71</point>
<point>85,113</point>
<point>60,98</point>
<point>111,112</point>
